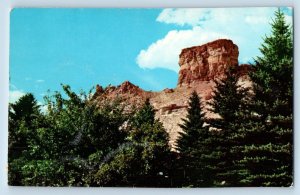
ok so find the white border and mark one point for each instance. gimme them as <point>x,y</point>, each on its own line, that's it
<point>6,6</point>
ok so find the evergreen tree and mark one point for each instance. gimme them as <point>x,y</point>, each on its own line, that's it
<point>194,146</point>
<point>273,75</point>
<point>145,115</point>
<point>192,126</point>
<point>25,108</point>
<point>230,102</point>
<point>23,116</point>
<point>268,153</point>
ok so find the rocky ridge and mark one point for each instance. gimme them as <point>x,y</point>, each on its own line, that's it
<point>199,66</point>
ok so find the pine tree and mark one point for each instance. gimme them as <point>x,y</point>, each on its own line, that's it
<point>268,153</point>
<point>229,99</point>
<point>194,146</point>
<point>230,102</point>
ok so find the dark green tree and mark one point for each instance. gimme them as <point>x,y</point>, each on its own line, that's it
<point>23,116</point>
<point>145,115</point>
<point>194,146</point>
<point>72,140</point>
<point>230,101</point>
<point>273,75</point>
<point>26,108</point>
<point>143,160</point>
<point>268,155</point>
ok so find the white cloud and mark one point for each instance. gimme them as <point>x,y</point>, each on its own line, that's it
<point>256,20</point>
<point>15,95</point>
<point>164,52</point>
<point>190,16</point>
<point>216,16</point>
<point>245,26</point>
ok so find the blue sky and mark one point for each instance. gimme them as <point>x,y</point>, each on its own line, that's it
<point>85,47</point>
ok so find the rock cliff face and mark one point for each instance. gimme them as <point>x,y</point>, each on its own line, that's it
<point>129,93</point>
<point>207,62</point>
<point>198,67</point>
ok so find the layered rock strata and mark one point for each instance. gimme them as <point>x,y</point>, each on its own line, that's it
<point>207,62</point>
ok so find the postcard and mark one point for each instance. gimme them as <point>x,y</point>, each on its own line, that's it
<point>165,98</point>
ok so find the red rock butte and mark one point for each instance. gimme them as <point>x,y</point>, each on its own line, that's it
<point>207,62</point>
<point>199,66</point>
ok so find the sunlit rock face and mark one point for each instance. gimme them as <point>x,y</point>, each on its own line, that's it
<point>199,66</point>
<point>207,62</point>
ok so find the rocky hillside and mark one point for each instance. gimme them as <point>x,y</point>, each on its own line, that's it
<point>199,65</point>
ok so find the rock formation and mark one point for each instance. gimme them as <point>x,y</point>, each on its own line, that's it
<point>199,65</point>
<point>206,62</point>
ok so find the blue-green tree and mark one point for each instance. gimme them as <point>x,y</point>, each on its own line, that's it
<point>230,101</point>
<point>268,153</point>
<point>195,146</point>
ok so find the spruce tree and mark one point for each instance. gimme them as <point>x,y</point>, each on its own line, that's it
<point>194,146</point>
<point>268,153</point>
<point>230,102</point>
<point>192,125</point>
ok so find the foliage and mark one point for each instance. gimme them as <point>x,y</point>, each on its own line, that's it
<point>268,158</point>
<point>23,116</point>
<point>192,126</point>
<point>230,101</point>
<point>143,160</point>
<point>145,115</point>
<point>71,138</point>
<point>195,146</point>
